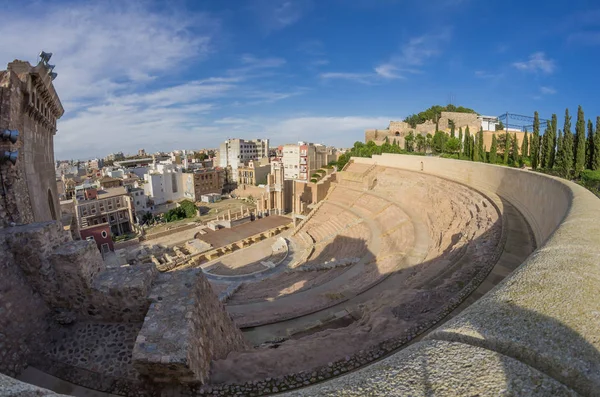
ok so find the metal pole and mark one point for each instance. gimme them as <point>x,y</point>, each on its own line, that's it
<point>507,122</point>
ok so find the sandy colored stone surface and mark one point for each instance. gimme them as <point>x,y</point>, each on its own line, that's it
<point>420,292</point>
<point>223,237</point>
<point>247,260</point>
<point>436,368</point>
<point>281,285</point>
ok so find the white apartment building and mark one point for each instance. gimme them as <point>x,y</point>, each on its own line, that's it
<point>163,183</point>
<point>237,152</point>
<point>302,159</point>
<point>139,200</point>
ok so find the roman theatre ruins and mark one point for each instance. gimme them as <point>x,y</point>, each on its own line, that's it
<point>414,276</point>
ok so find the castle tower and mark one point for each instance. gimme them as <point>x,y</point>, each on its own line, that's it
<point>29,104</point>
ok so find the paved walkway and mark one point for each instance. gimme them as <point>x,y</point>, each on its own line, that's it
<point>223,237</point>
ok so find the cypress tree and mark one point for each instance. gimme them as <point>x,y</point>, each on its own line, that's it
<point>514,152</point>
<point>506,148</point>
<point>493,150</point>
<point>545,150</point>
<point>565,158</point>
<point>579,144</point>
<point>589,154</point>
<point>535,145</point>
<point>476,152</point>
<point>525,145</point>
<point>481,147</point>
<point>452,130</point>
<point>552,155</point>
<point>596,159</point>
<point>559,140</point>
<point>472,147</point>
<point>467,143</point>
<point>460,138</point>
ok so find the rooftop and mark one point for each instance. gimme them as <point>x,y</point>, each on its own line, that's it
<point>112,192</point>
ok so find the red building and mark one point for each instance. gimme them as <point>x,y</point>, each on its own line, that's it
<point>100,234</point>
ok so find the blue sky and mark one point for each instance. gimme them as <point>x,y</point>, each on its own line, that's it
<point>189,74</point>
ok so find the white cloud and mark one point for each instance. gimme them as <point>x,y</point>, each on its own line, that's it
<point>387,71</point>
<point>265,63</point>
<point>537,63</point>
<point>411,59</point>
<point>115,42</point>
<point>547,90</point>
<point>364,78</point>
<point>482,74</point>
<point>279,14</point>
<point>320,62</point>
<point>119,75</point>
<point>413,55</point>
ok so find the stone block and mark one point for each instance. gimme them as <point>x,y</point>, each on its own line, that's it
<point>31,246</point>
<point>186,327</point>
<point>120,294</point>
<point>76,264</point>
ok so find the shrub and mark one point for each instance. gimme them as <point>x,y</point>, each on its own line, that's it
<point>315,175</point>
<point>590,176</point>
<point>322,172</point>
<point>189,208</point>
<point>314,180</point>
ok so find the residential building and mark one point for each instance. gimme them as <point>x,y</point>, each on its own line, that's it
<point>163,183</point>
<point>488,123</point>
<point>131,179</point>
<point>302,159</point>
<point>234,153</point>
<point>94,164</point>
<point>113,172</point>
<point>254,173</point>
<point>115,157</point>
<point>139,200</point>
<point>108,182</point>
<point>69,187</point>
<point>103,213</point>
<point>202,181</point>
<point>141,153</point>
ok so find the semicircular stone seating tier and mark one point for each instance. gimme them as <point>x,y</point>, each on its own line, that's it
<point>422,266</point>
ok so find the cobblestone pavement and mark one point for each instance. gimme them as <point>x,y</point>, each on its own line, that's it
<point>97,347</point>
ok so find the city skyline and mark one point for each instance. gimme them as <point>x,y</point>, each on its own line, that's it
<point>141,74</point>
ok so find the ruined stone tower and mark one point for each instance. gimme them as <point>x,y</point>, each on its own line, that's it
<point>29,104</point>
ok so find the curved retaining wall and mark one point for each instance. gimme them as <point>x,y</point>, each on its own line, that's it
<point>537,332</point>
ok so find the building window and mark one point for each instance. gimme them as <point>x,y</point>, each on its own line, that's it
<point>104,234</point>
